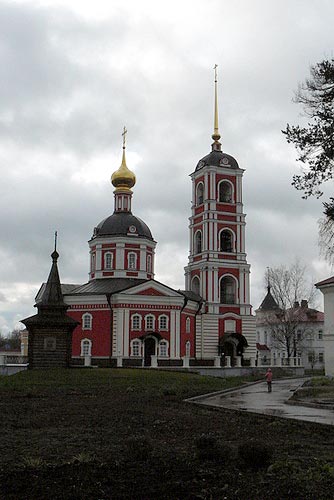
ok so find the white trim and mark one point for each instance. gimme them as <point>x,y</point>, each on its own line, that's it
<point>140,348</point>
<point>88,343</point>
<point>105,258</point>
<point>83,321</point>
<point>227,181</point>
<point>165,329</point>
<point>149,315</point>
<point>133,316</point>
<point>236,290</point>
<point>163,341</point>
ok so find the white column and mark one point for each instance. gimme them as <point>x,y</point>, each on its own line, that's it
<point>238,361</point>
<point>119,332</point>
<point>142,266</point>
<point>217,361</point>
<point>177,333</point>
<point>172,335</point>
<point>185,360</point>
<point>98,260</point>
<point>154,361</point>
<point>119,255</point>
<point>228,361</point>
<point>126,328</point>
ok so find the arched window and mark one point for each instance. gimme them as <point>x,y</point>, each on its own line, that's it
<point>225,192</point>
<point>195,285</point>
<point>188,325</point>
<point>188,348</point>
<point>136,347</point>
<point>149,263</point>
<point>163,348</point>
<point>199,194</point>
<point>149,322</point>
<point>226,241</point>
<point>198,242</point>
<point>108,260</point>
<point>136,322</point>
<point>227,290</point>
<point>163,322</point>
<point>86,347</point>
<point>132,260</point>
<point>87,321</point>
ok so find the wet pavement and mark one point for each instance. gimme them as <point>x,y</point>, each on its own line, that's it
<point>256,399</point>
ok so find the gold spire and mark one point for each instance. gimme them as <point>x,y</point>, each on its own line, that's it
<point>123,179</point>
<point>216,135</point>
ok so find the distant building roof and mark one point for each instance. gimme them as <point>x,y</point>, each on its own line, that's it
<point>268,303</point>
<point>262,347</point>
<point>328,281</point>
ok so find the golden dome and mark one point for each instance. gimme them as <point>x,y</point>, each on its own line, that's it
<point>123,179</point>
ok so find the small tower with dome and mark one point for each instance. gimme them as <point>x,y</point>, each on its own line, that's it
<point>122,245</point>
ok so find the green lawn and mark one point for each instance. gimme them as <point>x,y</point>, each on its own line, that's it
<point>101,433</point>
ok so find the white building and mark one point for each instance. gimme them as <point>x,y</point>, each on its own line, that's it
<point>304,331</point>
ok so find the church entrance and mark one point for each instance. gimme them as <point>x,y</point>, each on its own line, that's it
<point>149,350</point>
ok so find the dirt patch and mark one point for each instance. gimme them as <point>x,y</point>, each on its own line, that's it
<point>129,434</point>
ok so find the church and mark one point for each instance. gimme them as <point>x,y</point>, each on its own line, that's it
<point>127,318</point>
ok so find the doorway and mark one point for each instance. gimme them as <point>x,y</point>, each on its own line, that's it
<point>149,350</point>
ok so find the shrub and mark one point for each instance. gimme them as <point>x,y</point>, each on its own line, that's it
<point>207,447</point>
<point>255,454</point>
<point>138,448</point>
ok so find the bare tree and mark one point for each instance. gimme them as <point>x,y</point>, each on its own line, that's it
<point>293,294</point>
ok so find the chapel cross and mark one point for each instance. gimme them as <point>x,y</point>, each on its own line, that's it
<point>124,134</point>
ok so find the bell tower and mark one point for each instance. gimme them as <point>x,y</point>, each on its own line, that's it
<point>217,267</point>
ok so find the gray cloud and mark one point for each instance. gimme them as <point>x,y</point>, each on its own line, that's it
<point>71,81</point>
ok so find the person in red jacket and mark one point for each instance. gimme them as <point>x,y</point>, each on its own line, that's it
<point>269,378</point>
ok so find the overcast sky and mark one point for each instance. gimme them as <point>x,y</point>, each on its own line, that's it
<point>73,73</point>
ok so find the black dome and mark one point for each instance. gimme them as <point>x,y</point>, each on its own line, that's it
<point>122,224</point>
<point>218,159</point>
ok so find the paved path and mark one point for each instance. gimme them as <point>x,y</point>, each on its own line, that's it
<point>255,398</point>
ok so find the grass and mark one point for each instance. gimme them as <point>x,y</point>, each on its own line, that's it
<point>128,434</point>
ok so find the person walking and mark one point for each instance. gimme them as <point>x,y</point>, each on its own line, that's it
<point>269,378</point>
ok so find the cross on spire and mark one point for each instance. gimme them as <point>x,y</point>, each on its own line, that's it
<point>216,135</point>
<point>124,135</point>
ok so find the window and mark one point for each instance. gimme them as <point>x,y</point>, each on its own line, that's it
<point>199,194</point>
<point>132,260</point>
<point>87,321</point>
<point>198,242</point>
<point>311,357</point>
<point>227,290</point>
<point>266,338</point>
<point>195,285</point>
<point>230,326</point>
<point>136,348</point>
<point>86,347</point>
<point>320,335</point>
<point>50,344</point>
<point>163,348</point>
<point>93,262</point>
<point>149,322</point>
<point>226,241</point>
<point>163,322</point>
<point>108,260</point>
<point>188,348</point>
<point>321,357</point>
<point>188,325</point>
<point>149,263</point>
<point>299,335</point>
<point>136,322</point>
<point>225,192</point>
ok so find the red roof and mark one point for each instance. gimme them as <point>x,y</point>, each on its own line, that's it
<point>262,347</point>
